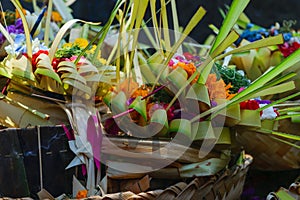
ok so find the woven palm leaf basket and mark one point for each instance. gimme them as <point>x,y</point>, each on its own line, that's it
<point>272,152</point>
<point>227,184</point>
<point>212,179</point>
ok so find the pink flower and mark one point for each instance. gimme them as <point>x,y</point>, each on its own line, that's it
<point>241,89</point>
<point>82,59</point>
<point>171,63</point>
<point>188,56</point>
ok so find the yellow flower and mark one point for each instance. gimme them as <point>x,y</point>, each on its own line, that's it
<point>92,50</point>
<point>99,58</point>
<point>67,45</point>
<point>56,17</point>
<point>81,42</point>
<point>102,61</point>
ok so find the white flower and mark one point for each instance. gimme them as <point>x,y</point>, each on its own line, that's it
<point>19,45</point>
<point>241,72</point>
<point>267,113</point>
<point>37,45</point>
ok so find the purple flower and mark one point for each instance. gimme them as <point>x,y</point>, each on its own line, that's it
<point>129,101</point>
<point>263,101</point>
<point>213,103</point>
<point>19,24</point>
<point>2,39</point>
<point>17,28</point>
<point>11,29</point>
<point>197,58</point>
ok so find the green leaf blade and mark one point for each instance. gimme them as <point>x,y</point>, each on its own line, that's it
<point>49,73</point>
<point>139,105</point>
<point>236,9</point>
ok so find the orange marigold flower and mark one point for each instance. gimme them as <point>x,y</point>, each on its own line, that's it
<point>190,69</point>
<point>18,14</point>
<point>56,17</point>
<point>229,95</point>
<point>141,91</point>
<point>81,194</point>
<point>128,86</point>
<point>217,89</point>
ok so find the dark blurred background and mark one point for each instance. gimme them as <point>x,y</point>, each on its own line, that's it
<point>261,12</point>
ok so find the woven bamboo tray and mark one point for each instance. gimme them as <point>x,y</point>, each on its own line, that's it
<point>227,184</point>
<point>270,154</point>
<point>168,182</point>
